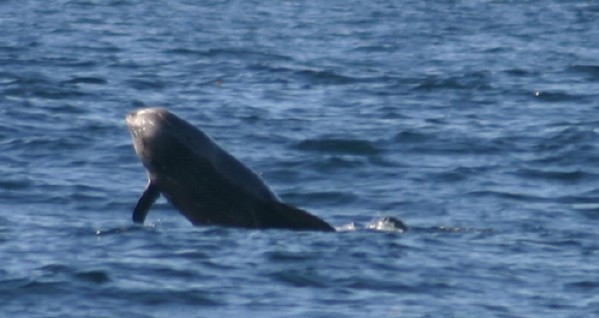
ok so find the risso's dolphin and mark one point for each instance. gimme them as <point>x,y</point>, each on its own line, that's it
<point>203,181</point>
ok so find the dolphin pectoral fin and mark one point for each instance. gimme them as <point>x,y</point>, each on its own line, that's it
<point>147,199</point>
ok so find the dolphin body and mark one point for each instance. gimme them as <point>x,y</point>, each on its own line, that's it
<point>203,181</point>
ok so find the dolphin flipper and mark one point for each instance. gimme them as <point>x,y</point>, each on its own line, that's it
<point>147,199</point>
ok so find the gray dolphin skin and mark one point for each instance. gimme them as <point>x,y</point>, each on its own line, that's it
<point>203,181</point>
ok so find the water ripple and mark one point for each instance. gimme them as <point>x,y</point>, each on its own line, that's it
<point>341,146</point>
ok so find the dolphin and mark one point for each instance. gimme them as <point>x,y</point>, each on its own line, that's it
<point>204,182</point>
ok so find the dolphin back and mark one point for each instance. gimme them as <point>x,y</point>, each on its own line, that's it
<point>226,164</point>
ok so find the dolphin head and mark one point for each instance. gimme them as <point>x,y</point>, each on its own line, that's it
<point>157,133</point>
<point>148,128</point>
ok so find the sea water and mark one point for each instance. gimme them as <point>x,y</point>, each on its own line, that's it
<point>474,122</point>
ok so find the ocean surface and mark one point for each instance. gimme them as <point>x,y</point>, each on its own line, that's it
<point>474,122</point>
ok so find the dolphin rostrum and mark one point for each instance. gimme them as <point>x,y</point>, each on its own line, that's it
<point>203,181</point>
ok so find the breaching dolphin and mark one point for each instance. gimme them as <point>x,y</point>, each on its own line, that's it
<point>203,181</point>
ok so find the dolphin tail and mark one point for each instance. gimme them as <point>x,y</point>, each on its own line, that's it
<point>286,216</point>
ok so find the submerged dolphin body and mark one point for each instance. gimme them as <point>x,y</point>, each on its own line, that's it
<point>203,181</point>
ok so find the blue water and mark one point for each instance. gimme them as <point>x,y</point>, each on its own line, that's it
<point>475,122</point>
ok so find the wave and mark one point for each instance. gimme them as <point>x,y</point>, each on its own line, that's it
<point>591,70</point>
<point>479,80</point>
<point>356,147</point>
<point>562,175</point>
